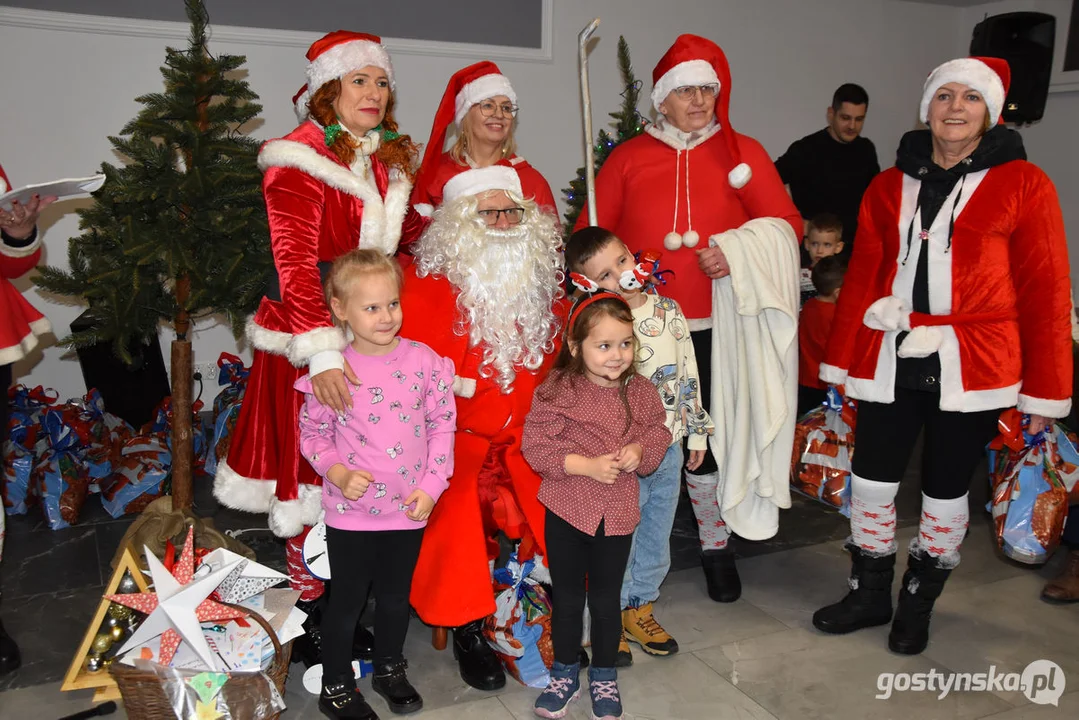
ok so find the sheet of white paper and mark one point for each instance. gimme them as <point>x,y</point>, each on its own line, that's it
<point>293,627</point>
<point>58,188</point>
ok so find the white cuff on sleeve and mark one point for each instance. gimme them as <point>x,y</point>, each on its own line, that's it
<point>325,360</point>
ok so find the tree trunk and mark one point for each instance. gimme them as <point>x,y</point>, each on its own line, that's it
<point>182,440</point>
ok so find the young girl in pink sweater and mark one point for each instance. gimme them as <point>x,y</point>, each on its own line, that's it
<point>384,461</point>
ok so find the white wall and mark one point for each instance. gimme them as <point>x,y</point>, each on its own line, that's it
<point>787,56</point>
<point>1051,143</point>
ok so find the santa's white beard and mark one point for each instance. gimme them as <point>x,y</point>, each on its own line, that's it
<point>507,281</point>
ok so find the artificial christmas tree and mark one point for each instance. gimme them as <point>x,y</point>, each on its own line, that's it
<point>180,231</point>
<point>628,124</point>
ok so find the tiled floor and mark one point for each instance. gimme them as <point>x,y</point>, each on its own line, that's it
<point>756,658</point>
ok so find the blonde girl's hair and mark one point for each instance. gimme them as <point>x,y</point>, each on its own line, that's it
<point>351,267</point>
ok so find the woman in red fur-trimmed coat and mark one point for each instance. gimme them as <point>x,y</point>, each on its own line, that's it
<point>956,305</point>
<point>338,181</point>
<point>20,327</point>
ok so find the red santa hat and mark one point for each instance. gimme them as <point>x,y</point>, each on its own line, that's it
<point>337,54</point>
<point>468,86</point>
<point>694,60</point>
<point>988,75</point>
<point>477,180</point>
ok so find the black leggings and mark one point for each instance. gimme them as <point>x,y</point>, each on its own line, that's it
<point>358,559</point>
<point>702,351</point>
<point>954,442</point>
<point>573,556</point>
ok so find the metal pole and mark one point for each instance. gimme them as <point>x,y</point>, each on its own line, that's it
<point>586,103</point>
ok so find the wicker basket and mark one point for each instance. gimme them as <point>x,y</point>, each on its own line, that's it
<point>144,698</point>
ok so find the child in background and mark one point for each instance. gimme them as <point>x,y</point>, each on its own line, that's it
<point>824,238</point>
<point>384,463</point>
<point>665,356</point>
<point>814,326</point>
<point>594,424</point>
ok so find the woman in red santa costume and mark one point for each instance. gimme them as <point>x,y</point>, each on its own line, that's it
<point>956,304</point>
<point>20,327</point>
<point>338,181</point>
<point>691,176</point>
<point>480,102</point>
<point>483,289</point>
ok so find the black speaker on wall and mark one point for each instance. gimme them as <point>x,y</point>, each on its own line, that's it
<point>1025,40</point>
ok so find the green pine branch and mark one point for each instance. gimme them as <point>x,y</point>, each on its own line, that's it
<point>184,210</point>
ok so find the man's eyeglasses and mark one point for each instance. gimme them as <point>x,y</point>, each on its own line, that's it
<point>489,108</point>
<point>514,215</point>
<point>688,92</point>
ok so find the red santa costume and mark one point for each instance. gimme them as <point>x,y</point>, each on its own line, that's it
<point>675,187</point>
<point>318,208</point>
<point>956,304</point>
<point>470,86</point>
<point>463,297</point>
<point>21,324</point>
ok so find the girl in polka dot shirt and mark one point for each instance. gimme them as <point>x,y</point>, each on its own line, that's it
<point>594,425</point>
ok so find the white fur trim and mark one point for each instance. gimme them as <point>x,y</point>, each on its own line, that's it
<point>1041,406</point>
<point>424,209</point>
<point>29,341</point>
<point>398,194</point>
<point>480,89</point>
<point>304,346</point>
<point>325,360</point>
<point>376,230</point>
<point>20,252</point>
<point>344,58</point>
<point>464,387</point>
<point>241,493</point>
<point>3,186</point>
<point>274,342</point>
<point>477,180</point>
<point>739,176</point>
<point>675,138</point>
<point>831,374</point>
<point>888,313</point>
<point>691,72</point>
<point>972,73</point>
<point>288,517</point>
<point>300,107</point>
<point>921,342</point>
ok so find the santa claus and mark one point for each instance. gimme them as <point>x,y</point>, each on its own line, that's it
<point>483,288</point>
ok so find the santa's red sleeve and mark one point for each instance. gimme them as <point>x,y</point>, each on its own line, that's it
<point>535,186</point>
<point>17,260</point>
<point>865,264</point>
<point>764,195</point>
<point>1038,255</point>
<point>294,206</point>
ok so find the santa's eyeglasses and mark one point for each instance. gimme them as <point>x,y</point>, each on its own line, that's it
<point>688,92</point>
<point>490,107</point>
<point>514,215</point>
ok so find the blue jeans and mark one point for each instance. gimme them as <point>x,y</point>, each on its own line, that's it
<point>650,554</point>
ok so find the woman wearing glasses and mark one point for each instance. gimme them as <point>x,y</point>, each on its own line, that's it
<point>688,179</point>
<point>481,103</point>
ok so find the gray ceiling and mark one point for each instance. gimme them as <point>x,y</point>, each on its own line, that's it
<point>490,22</point>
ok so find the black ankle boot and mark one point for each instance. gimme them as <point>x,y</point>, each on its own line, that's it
<point>308,647</point>
<point>341,700</point>
<point>869,601</point>
<point>479,665</point>
<point>10,659</point>
<point>922,584</point>
<point>392,684</point>
<point>363,644</point>
<point>721,575</point>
